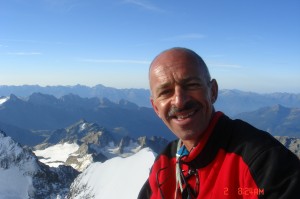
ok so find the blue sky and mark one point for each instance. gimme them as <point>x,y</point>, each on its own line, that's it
<point>251,45</point>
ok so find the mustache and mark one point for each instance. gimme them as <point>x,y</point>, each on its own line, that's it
<point>189,105</point>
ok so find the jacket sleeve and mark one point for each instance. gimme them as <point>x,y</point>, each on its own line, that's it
<point>277,172</point>
<point>145,192</point>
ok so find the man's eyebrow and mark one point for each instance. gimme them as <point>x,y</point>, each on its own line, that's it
<point>163,86</point>
<point>185,80</point>
<point>189,79</point>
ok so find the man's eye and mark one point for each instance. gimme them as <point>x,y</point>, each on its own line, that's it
<point>165,93</point>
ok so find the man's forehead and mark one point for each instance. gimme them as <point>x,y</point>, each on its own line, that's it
<point>164,74</point>
<point>175,68</point>
<point>175,58</point>
<point>178,63</point>
<point>172,56</point>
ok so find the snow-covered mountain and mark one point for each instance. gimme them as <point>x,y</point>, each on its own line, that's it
<point>22,176</point>
<point>83,143</point>
<point>123,177</point>
<point>114,179</point>
<point>3,99</point>
<point>127,175</point>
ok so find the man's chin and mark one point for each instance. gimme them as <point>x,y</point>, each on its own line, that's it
<point>188,135</point>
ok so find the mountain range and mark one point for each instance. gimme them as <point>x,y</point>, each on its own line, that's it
<point>277,120</point>
<point>233,102</point>
<point>30,120</point>
<point>230,101</point>
<point>42,113</point>
<point>137,96</point>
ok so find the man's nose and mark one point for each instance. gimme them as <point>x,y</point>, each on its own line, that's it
<point>180,97</point>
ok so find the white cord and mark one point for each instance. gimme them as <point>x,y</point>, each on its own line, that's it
<point>178,178</point>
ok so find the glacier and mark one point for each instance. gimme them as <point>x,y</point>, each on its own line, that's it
<point>115,178</point>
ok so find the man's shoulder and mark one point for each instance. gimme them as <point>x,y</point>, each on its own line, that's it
<point>265,157</point>
<point>249,141</point>
<point>242,132</point>
<point>170,150</point>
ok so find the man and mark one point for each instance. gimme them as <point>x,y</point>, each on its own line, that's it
<point>214,157</point>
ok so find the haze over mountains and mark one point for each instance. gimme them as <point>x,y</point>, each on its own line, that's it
<point>277,119</point>
<point>231,102</point>
<point>137,96</point>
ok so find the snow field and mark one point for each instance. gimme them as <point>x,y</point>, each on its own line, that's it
<point>56,155</point>
<point>118,177</point>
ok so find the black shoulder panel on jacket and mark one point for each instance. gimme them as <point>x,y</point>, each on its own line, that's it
<point>170,150</point>
<point>273,167</point>
<point>145,192</point>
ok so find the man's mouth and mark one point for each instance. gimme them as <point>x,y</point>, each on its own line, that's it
<point>180,116</point>
<point>183,115</point>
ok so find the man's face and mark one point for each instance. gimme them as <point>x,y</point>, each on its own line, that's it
<point>181,96</point>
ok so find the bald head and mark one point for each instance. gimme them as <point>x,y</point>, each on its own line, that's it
<point>173,56</point>
<point>178,56</point>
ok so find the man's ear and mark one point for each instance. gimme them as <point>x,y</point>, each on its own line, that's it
<point>214,91</point>
<point>154,106</point>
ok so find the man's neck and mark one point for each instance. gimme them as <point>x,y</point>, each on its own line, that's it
<point>190,144</point>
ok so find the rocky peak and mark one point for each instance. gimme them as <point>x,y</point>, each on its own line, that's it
<point>43,99</point>
<point>35,180</point>
<point>125,142</point>
<point>128,105</point>
<point>12,154</point>
<point>157,144</point>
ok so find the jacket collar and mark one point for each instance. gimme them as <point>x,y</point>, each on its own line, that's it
<point>190,156</point>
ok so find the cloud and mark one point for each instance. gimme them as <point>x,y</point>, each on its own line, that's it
<point>216,55</point>
<point>64,5</point>
<point>144,4</point>
<point>226,66</point>
<point>33,42</point>
<point>116,61</point>
<point>191,36</point>
<point>24,53</point>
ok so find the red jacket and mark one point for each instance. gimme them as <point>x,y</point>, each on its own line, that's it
<point>232,160</point>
